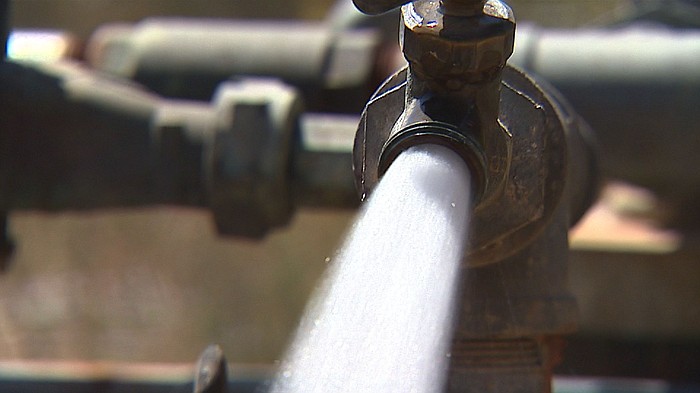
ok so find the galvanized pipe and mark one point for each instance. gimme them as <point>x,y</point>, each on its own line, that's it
<point>188,58</point>
<point>75,140</point>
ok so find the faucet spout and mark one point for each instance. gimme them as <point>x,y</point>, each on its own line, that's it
<point>521,145</point>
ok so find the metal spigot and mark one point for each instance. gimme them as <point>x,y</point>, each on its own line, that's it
<point>456,51</point>
<point>521,144</point>
<point>458,92</point>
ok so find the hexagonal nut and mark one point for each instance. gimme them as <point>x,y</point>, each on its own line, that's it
<point>453,52</point>
<point>248,160</point>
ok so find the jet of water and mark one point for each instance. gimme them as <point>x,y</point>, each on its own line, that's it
<point>382,319</point>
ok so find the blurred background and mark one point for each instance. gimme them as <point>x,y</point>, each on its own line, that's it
<point>159,284</point>
<point>62,14</point>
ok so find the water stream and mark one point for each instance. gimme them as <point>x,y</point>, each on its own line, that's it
<point>382,319</point>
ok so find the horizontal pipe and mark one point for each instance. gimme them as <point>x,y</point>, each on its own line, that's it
<point>322,161</point>
<point>74,139</point>
<point>188,58</point>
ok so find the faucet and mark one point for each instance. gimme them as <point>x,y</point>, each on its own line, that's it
<point>533,169</point>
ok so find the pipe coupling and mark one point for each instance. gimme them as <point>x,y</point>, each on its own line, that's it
<point>248,162</point>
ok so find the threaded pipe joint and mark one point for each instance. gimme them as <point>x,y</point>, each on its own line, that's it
<point>438,133</point>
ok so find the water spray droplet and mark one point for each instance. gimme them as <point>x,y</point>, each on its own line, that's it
<point>382,317</point>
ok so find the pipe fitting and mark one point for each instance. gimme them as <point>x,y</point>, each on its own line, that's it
<point>458,92</point>
<point>249,160</point>
<point>452,94</point>
<point>521,146</point>
<point>438,133</point>
<point>509,215</point>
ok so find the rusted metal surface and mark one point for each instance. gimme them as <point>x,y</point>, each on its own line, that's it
<point>512,133</point>
<point>517,140</point>
<point>453,87</point>
<point>629,263</point>
<point>512,216</point>
<point>633,80</point>
<point>522,302</point>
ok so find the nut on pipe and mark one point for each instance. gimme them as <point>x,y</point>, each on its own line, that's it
<point>249,158</point>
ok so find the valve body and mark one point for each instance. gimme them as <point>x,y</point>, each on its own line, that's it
<point>458,92</point>
<point>521,145</point>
